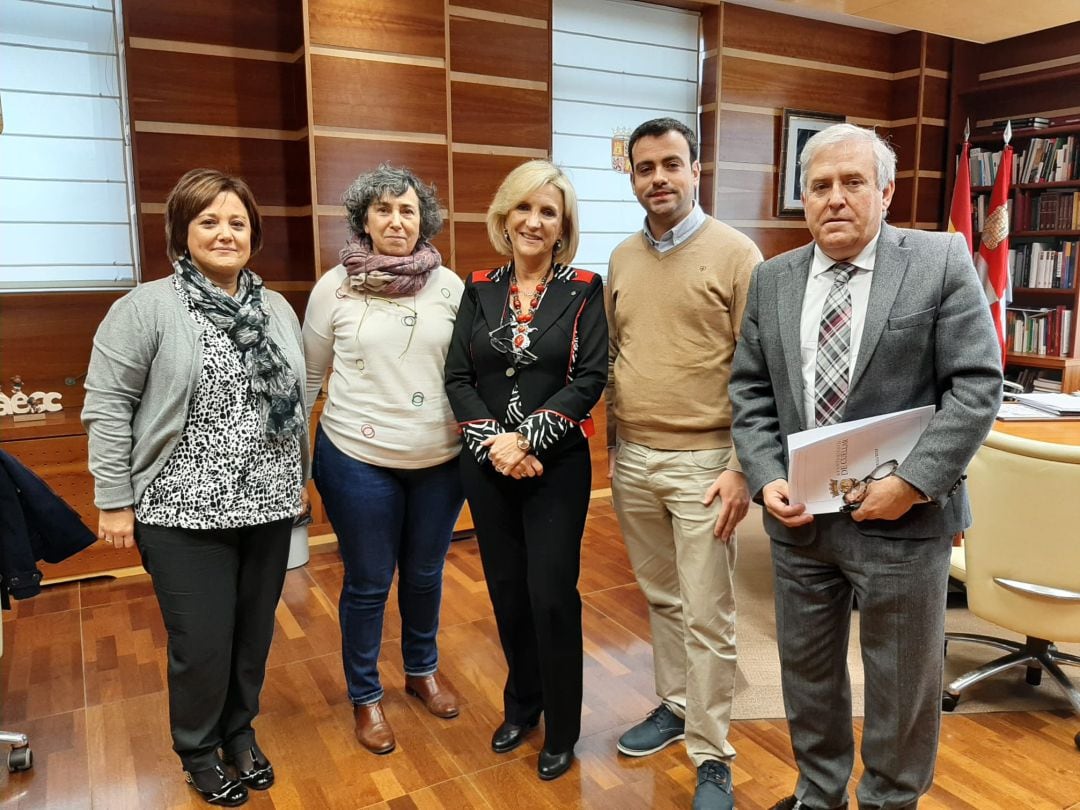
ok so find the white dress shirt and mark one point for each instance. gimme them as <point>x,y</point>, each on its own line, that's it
<point>818,285</point>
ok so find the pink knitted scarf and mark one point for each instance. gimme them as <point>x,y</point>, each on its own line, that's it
<point>378,274</point>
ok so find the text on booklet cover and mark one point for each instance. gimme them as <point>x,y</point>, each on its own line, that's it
<point>826,463</point>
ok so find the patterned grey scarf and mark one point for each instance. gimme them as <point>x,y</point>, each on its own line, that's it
<point>244,319</point>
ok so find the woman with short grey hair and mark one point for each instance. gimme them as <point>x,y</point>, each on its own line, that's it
<point>386,448</point>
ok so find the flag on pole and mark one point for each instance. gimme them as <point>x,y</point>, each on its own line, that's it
<point>960,210</point>
<point>993,260</point>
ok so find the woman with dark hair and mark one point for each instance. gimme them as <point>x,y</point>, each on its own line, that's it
<point>527,362</point>
<point>386,446</point>
<point>198,447</point>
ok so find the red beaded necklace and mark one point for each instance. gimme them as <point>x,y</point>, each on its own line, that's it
<point>522,317</point>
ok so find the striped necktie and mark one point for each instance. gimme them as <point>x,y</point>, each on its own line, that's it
<point>834,349</point>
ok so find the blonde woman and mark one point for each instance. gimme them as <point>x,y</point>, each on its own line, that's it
<point>527,362</point>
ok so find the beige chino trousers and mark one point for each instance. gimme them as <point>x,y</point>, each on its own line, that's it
<point>686,574</point>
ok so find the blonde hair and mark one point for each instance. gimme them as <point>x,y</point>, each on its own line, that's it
<point>519,184</point>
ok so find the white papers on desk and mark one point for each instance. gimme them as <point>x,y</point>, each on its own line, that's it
<point>1018,412</point>
<point>822,459</point>
<point>1056,404</point>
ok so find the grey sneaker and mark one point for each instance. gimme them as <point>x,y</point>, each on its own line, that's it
<point>661,728</point>
<point>713,787</point>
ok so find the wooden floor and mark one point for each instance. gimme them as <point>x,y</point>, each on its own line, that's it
<point>84,675</point>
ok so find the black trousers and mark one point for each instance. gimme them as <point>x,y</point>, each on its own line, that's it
<point>217,590</point>
<point>529,533</point>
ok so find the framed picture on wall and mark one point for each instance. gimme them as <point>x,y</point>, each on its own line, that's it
<point>798,126</point>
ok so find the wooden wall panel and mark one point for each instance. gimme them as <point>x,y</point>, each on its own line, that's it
<point>276,26</point>
<point>1026,100</point>
<point>938,52</point>
<point>772,61</point>
<point>710,77</point>
<point>477,178</point>
<point>905,98</point>
<point>755,83</point>
<point>774,241</point>
<point>363,94</point>
<point>286,254</point>
<point>707,136</point>
<point>707,191</point>
<point>338,161</point>
<point>907,51</point>
<point>712,20</point>
<point>497,49</point>
<point>474,251</point>
<point>900,211</point>
<point>333,234</point>
<point>935,97</point>
<point>277,171</point>
<point>903,141</point>
<point>47,337</point>
<point>748,137</point>
<point>415,27</point>
<point>504,116</point>
<point>798,38</point>
<point>932,152</point>
<point>745,195</point>
<point>531,9</point>
<point>931,200</point>
<point>1042,46</point>
<point>217,90</point>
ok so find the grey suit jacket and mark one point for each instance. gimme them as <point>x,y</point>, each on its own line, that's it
<point>928,340</point>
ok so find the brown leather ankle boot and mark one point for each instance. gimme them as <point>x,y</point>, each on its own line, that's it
<point>435,694</point>
<point>372,730</point>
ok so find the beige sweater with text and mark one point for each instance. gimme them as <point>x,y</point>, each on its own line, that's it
<point>673,319</point>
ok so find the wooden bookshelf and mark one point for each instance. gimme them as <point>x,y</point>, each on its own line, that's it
<point>1012,80</point>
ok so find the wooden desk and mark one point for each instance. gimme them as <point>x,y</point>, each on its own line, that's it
<point>1063,432</point>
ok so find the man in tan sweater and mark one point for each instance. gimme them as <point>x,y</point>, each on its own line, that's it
<point>675,298</point>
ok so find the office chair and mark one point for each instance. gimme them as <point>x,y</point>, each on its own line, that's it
<point>1022,559</point>
<point>20,758</point>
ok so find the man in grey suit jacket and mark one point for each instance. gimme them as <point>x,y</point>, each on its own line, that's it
<point>916,331</point>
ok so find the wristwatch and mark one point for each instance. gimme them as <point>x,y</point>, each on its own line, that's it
<point>523,443</point>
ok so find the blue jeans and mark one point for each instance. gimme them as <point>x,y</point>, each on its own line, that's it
<point>386,519</point>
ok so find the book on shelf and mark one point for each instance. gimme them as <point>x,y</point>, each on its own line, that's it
<point>1034,379</point>
<point>1048,160</point>
<point>1046,385</point>
<point>1043,331</point>
<point>1044,265</point>
<point>1029,122</point>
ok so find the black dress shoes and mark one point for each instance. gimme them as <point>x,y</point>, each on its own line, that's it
<point>217,788</point>
<point>253,768</point>
<point>791,803</point>
<point>509,736</point>
<point>552,766</point>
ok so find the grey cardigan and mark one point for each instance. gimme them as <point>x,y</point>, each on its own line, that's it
<point>144,368</point>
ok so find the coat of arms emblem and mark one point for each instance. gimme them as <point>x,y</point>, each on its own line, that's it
<point>620,150</point>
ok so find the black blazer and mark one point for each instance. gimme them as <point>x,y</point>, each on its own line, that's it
<point>480,379</point>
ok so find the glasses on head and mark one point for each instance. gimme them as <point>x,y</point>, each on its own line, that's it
<point>854,490</point>
<point>504,344</point>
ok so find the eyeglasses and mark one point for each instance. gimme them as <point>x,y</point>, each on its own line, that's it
<point>854,490</point>
<point>505,345</point>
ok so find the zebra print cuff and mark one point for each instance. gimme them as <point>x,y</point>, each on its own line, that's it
<point>475,433</point>
<point>544,428</point>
